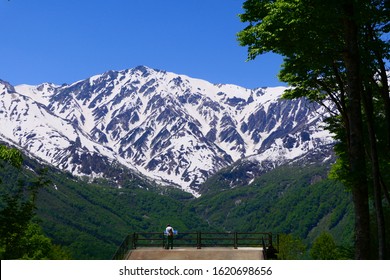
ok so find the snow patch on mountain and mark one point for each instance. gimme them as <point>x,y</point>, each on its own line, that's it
<point>172,128</point>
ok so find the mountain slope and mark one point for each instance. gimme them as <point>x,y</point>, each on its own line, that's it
<point>289,199</point>
<point>172,128</point>
<point>91,219</point>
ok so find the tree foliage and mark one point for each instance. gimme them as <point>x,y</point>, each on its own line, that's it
<point>291,248</point>
<point>11,155</point>
<point>335,54</point>
<point>324,248</point>
<point>89,220</point>
<point>20,237</point>
<point>290,200</point>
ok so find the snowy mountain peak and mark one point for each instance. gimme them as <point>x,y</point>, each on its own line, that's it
<point>172,128</point>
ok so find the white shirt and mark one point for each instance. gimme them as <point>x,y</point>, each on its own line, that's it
<point>168,228</point>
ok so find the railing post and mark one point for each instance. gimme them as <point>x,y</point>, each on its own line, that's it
<point>135,237</point>
<point>199,240</point>
<point>235,240</point>
<point>264,248</point>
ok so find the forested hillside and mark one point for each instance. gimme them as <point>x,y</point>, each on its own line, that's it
<point>90,219</point>
<point>293,200</point>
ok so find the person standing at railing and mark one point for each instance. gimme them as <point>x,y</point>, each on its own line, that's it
<point>169,233</point>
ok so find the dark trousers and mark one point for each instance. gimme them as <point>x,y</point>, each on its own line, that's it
<point>170,242</point>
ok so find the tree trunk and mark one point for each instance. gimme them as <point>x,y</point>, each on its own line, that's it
<point>385,96</point>
<point>375,170</point>
<point>356,149</point>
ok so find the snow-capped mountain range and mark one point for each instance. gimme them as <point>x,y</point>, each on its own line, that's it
<point>171,128</point>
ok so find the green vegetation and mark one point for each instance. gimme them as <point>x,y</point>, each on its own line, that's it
<point>20,236</point>
<point>93,219</point>
<point>88,220</point>
<point>291,248</point>
<point>287,200</point>
<point>336,54</point>
<point>73,218</point>
<point>325,248</point>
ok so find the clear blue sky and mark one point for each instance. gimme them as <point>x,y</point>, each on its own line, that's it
<point>63,41</point>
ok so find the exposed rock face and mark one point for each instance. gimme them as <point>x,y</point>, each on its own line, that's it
<point>172,128</point>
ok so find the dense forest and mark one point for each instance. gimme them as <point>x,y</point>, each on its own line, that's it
<point>88,220</point>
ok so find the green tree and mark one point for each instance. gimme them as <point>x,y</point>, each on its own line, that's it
<point>20,237</point>
<point>14,221</point>
<point>11,155</point>
<point>290,248</point>
<point>33,245</point>
<point>334,55</point>
<point>324,248</point>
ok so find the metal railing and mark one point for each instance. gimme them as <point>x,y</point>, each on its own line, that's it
<point>197,239</point>
<point>126,246</point>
